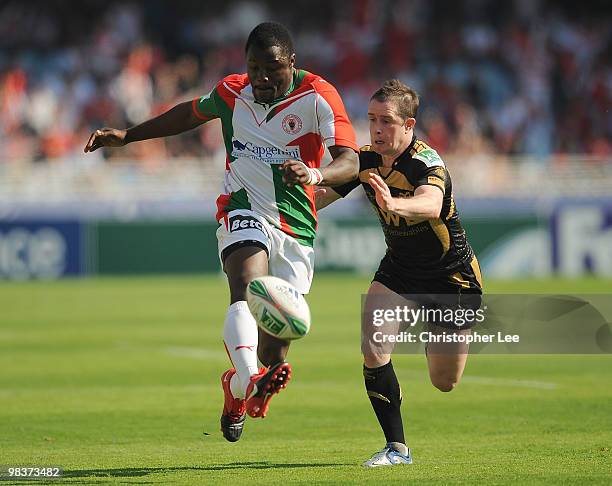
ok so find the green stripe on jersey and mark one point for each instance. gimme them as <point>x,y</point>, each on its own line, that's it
<point>206,106</point>
<point>238,200</point>
<point>300,75</point>
<point>294,206</point>
<point>226,115</point>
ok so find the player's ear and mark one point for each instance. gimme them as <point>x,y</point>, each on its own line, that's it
<point>292,60</point>
<point>410,123</point>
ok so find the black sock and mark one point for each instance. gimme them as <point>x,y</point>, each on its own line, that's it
<point>386,397</point>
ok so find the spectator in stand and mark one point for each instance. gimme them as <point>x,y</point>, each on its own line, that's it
<point>538,73</point>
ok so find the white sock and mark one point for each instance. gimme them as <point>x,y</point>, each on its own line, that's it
<point>236,386</point>
<point>240,336</point>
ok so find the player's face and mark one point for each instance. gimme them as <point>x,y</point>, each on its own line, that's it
<point>270,72</point>
<point>389,133</point>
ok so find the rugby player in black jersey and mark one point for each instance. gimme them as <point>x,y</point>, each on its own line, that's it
<point>410,189</point>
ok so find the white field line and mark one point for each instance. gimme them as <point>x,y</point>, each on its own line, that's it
<point>483,380</point>
<point>193,352</point>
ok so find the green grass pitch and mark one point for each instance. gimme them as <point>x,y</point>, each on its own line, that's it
<point>117,380</point>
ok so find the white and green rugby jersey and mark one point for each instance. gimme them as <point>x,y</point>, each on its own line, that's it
<point>259,138</point>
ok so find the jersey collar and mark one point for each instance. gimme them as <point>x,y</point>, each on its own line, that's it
<point>405,155</point>
<point>287,93</point>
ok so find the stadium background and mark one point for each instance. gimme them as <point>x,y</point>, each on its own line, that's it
<point>516,97</point>
<point>115,376</point>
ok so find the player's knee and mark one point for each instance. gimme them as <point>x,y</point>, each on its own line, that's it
<point>443,382</point>
<point>375,360</point>
<point>445,386</point>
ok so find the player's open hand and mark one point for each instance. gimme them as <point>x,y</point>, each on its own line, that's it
<point>296,172</point>
<point>105,137</point>
<point>383,193</point>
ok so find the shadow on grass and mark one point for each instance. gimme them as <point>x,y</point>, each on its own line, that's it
<point>129,472</point>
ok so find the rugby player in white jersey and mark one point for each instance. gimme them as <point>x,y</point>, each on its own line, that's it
<point>277,121</point>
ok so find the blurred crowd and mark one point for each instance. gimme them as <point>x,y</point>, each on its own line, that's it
<point>520,77</point>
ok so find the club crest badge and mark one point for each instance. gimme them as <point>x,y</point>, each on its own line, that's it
<point>292,124</point>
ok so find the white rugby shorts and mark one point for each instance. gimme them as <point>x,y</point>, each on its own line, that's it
<point>287,259</point>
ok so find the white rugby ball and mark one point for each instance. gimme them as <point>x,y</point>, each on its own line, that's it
<point>279,309</point>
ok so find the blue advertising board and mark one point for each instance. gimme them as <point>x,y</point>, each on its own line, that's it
<point>41,249</point>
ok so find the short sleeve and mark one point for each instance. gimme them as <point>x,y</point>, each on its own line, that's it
<point>334,125</point>
<point>344,189</point>
<point>205,107</point>
<point>429,169</point>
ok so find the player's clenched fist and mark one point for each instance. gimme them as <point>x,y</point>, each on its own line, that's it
<point>106,137</point>
<point>297,172</point>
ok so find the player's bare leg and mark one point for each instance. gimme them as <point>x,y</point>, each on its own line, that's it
<point>380,380</point>
<point>446,361</point>
<point>243,265</point>
<point>271,350</point>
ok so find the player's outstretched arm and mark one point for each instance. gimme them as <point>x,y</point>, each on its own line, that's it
<point>324,196</point>
<point>176,120</point>
<point>343,168</point>
<point>426,202</point>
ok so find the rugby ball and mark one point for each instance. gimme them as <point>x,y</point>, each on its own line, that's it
<point>279,309</point>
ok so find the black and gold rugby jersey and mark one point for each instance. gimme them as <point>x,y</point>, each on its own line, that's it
<point>420,248</point>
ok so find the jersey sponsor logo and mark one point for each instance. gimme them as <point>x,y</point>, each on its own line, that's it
<point>268,153</point>
<point>393,219</point>
<point>429,156</point>
<point>292,124</point>
<point>239,222</point>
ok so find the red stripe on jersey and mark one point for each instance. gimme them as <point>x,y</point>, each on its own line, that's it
<point>310,192</point>
<point>309,78</point>
<point>344,134</point>
<point>311,149</point>
<point>285,228</point>
<point>222,203</point>
<point>277,109</point>
<point>236,82</point>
